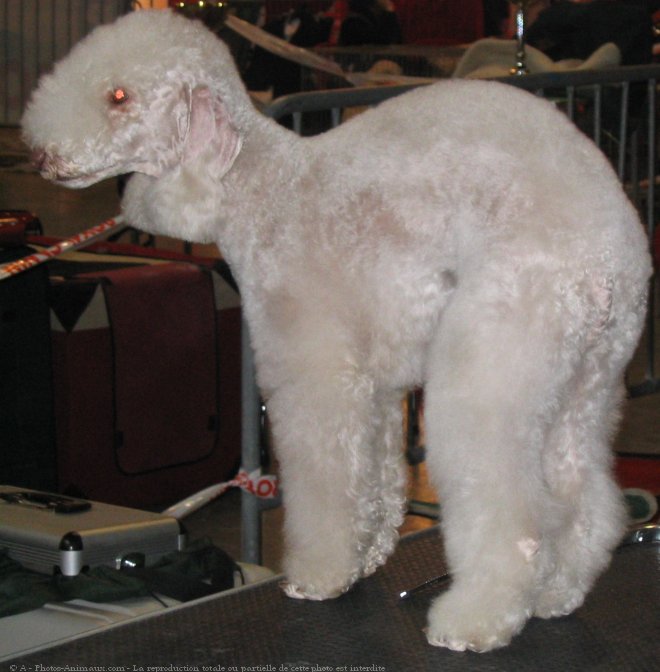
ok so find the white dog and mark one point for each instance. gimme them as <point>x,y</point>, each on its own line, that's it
<point>464,236</point>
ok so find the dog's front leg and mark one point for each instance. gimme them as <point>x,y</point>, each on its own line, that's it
<point>323,424</point>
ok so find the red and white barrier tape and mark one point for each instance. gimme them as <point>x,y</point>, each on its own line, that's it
<point>264,486</point>
<point>74,242</point>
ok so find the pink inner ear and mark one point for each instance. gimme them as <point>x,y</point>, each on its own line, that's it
<point>202,122</point>
<point>210,131</point>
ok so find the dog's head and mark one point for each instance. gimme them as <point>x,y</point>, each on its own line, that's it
<point>147,93</point>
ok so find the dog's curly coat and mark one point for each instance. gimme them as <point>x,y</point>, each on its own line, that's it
<point>464,236</point>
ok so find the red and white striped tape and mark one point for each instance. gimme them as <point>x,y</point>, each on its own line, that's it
<point>74,242</point>
<point>264,486</point>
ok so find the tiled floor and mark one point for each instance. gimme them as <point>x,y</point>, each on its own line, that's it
<point>65,212</point>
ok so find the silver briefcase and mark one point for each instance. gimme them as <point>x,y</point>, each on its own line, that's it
<point>51,533</point>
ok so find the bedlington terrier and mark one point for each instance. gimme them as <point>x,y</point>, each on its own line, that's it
<point>464,237</point>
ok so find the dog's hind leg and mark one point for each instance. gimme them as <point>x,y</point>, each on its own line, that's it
<point>498,359</point>
<point>577,465</point>
<point>588,514</point>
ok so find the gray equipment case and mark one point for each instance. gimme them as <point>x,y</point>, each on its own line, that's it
<point>51,533</point>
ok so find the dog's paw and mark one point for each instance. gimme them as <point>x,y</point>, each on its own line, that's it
<point>313,579</point>
<point>297,593</point>
<point>459,622</point>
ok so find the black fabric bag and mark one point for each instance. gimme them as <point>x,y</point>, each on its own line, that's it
<point>27,430</point>
<point>202,569</point>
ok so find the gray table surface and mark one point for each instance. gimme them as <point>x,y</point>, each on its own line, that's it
<point>370,630</point>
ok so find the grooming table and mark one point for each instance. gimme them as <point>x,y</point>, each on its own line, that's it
<point>259,628</point>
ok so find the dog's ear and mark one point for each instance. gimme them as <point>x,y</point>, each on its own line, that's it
<point>210,132</point>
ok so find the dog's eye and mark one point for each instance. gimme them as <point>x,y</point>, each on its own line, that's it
<point>118,96</point>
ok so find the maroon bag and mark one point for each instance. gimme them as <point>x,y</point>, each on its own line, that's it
<point>146,370</point>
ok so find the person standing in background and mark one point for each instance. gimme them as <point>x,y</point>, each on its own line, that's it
<point>370,22</point>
